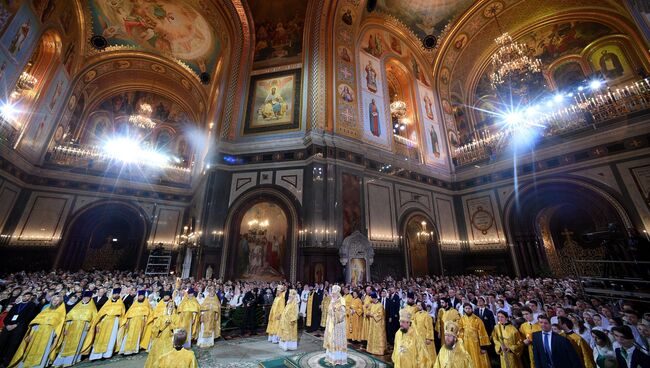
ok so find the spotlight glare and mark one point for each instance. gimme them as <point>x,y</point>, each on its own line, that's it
<point>580,88</point>
<point>595,84</point>
<point>129,151</point>
<point>8,111</point>
<point>558,97</point>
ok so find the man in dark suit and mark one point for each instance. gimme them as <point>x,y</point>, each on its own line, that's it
<point>485,314</point>
<point>453,301</point>
<point>129,298</point>
<point>249,302</point>
<point>317,298</point>
<point>392,315</point>
<point>551,350</point>
<point>16,322</point>
<point>100,299</point>
<point>630,354</point>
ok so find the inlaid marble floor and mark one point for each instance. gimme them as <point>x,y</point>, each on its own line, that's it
<point>238,352</point>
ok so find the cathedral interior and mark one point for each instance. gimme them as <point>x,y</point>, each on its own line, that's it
<point>291,142</point>
<point>248,139</point>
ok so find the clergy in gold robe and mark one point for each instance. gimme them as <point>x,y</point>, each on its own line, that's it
<point>335,339</point>
<point>507,342</point>
<point>452,354</point>
<point>107,325</point>
<point>210,320</point>
<point>410,350</point>
<point>423,324</point>
<point>582,347</point>
<point>43,337</point>
<point>188,315</point>
<point>376,327</point>
<point>527,329</point>
<point>355,317</point>
<point>440,326</point>
<point>164,321</point>
<point>309,311</point>
<point>474,337</point>
<point>324,305</point>
<point>134,325</point>
<point>178,357</point>
<point>289,323</point>
<point>273,327</point>
<point>78,332</point>
<point>411,305</point>
<point>367,301</point>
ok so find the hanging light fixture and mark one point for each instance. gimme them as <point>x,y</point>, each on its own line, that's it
<point>142,118</point>
<point>513,63</point>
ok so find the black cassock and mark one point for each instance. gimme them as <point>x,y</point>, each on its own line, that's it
<point>315,310</point>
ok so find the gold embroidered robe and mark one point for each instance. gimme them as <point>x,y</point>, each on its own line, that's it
<point>188,313</point>
<point>455,358</point>
<point>510,337</point>
<point>210,321</point>
<point>423,324</point>
<point>324,306</point>
<point>163,323</point>
<point>288,322</point>
<point>104,323</point>
<point>473,335</point>
<point>376,329</point>
<point>78,333</point>
<point>133,328</point>
<point>45,335</point>
<point>526,329</point>
<point>410,351</point>
<point>273,327</point>
<point>354,322</point>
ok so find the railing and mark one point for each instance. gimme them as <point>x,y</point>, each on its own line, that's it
<point>93,159</point>
<point>587,111</point>
<point>627,280</point>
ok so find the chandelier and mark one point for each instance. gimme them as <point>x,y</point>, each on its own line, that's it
<point>26,82</point>
<point>513,64</point>
<point>142,119</point>
<point>398,109</point>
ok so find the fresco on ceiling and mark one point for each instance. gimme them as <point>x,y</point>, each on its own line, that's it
<point>165,26</point>
<point>278,31</point>
<point>424,16</point>
<point>556,40</point>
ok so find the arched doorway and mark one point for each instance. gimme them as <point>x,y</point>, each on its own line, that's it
<point>552,224</point>
<point>420,245</point>
<point>108,236</point>
<point>261,238</point>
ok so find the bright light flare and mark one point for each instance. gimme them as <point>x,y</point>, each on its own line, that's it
<point>129,151</point>
<point>8,111</point>
<point>595,84</point>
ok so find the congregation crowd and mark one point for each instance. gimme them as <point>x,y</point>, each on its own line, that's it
<point>60,318</point>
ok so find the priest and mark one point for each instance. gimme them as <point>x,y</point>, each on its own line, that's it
<point>507,342</point>
<point>474,337</point>
<point>107,325</point>
<point>188,315</point>
<point>289,323</point>
<point>44,335</point>
<point>335,341</point>
<point>452,354</point>
<point>178,357</point>
<point>134,325</point>
<point>313,308</point>
<point>376,326</point>
<point>78,332</point>
<point>324,306</point>
<point>527,329</point>
<point>355,317</point>
<point>367,301</point>
<point>210,320</point>
<point>273,327</point>
<point>409,350</point>
<point>164,320</point>
<point>423,324</point>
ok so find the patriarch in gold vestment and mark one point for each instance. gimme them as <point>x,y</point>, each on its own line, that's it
<point>410,350</point>
<point>210,320</point>
<point>43,337</point>
<point>474,337</point>
<point>376,326</point>
<point>78,332</point>
<point>134,326</point>
<point>335,339</point>
<point>107,325</point>
<point>452,354</point>
<point>289,323</point>
<point>273,327</point>
<point>163,323</point>
<point>507,342</point>
<point>188,314</point>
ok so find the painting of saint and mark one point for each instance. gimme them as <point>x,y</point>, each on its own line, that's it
<point>357,270</point>
<point>57,93</point>
<point>344,54</point>
<point>373,116</point>
<point>371,77</point>
<point>165,26</point>
<point>278,31</point>
<point>347,16</point>
<point>260,248</point>
<point>610,65</point>
<point>428,106</point>
<point>20,37</point>
<point>435,145</point>
<point>395,44</point>
<point>346,93</point>
<point>273,102</point>
<point>375,47</point>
